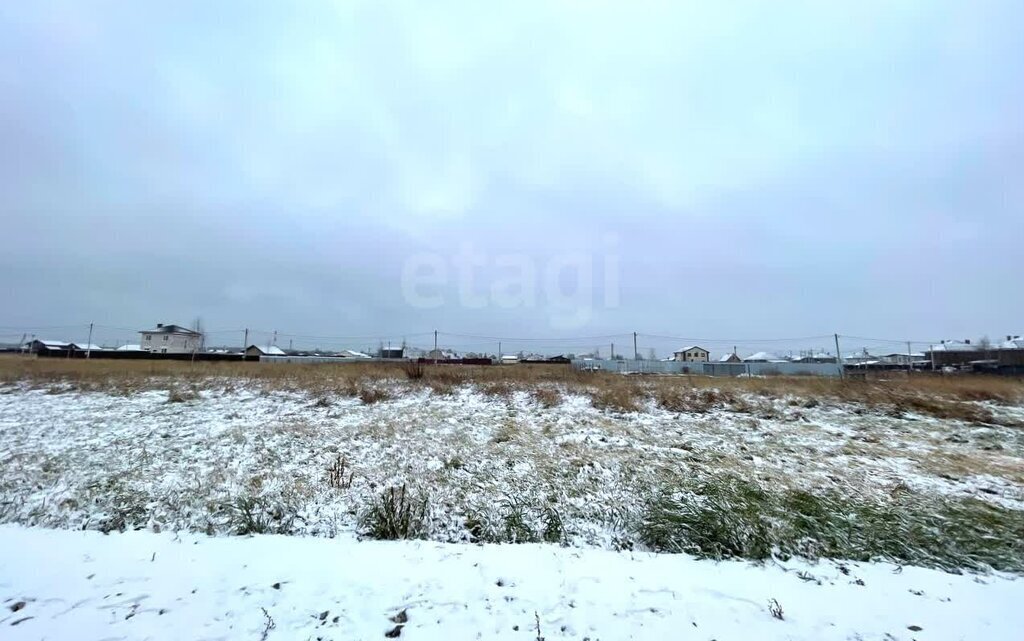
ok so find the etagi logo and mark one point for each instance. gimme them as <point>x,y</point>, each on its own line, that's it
<point>563,285</point>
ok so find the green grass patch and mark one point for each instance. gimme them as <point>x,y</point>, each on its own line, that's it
<point>395,514</point>
<point>729,517</point>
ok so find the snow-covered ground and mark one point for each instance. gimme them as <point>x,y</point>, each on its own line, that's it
<point>141,585</point>
<point>171,469</point>
<point>97,460</point>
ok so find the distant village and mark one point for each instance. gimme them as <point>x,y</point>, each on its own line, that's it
<point>177,342</point>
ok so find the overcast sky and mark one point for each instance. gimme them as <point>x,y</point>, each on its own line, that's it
<point>729,170</point>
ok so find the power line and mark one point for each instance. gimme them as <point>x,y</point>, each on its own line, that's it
<point>41,327</point>
<point>888,340</point>
<point>738,340</point>
<point>508,338</point>
<point>455,339</point>
<point>373,337</point>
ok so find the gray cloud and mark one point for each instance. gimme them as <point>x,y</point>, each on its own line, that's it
<point>762,170</point>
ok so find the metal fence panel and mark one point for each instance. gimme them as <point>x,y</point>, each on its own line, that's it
<point>709,369</point>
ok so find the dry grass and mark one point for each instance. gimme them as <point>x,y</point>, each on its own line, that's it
<point>182,395</point>
<point>617,394</point>
<point>506,432</point>
<point>963,464</point>
<point>962,397</point>
<point>683,398</point>
<point>547,397</point>
<point>500,389</point>
<point>370,395</point>
<point>935,396</point>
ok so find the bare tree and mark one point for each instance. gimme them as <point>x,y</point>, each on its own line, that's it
<point>985,344</point>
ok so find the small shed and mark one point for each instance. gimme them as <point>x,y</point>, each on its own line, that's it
<point>264,350</point>
<point>731,357</point>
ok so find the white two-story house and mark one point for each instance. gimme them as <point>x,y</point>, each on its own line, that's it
<point>171,339</point>
<point>691,354</point>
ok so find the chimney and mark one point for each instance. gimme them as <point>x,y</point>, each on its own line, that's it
<point>967,341</point>
<point>159,325</point>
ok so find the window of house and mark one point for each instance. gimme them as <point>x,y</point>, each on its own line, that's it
<point>165,339</point>
<point>149,337</point>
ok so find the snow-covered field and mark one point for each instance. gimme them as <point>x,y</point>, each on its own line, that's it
<point>140,585</point>
<point>162,465</point>
<point>99,461</point>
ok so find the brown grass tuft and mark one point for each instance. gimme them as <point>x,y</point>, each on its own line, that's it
<point>617,395</point>
<point>547,397</point>
<point>371,395</point>
<point>676,396</point>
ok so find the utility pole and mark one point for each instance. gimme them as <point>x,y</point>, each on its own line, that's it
<point>245,341</point>
<point>839,358</point>
<point>636,352</point>
<point>88,346</point>
<point>499,352</point>
<point>910,359</point>
<point>289,344</point>
<point>275,338</point>
<point>21,345</point>
<point>435,347</point>
<point>613,351</point>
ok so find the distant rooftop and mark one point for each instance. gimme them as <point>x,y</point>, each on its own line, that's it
<point>269,350</point>
<point>169,329</point>
<point>688,348</point>
<point>764,356</point>
<point>1013,342</point>
<point>955,346</point>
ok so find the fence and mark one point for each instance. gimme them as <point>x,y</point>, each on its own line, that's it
<point>264,358</point>
<point>710,369</point>
<point>138,355</point>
